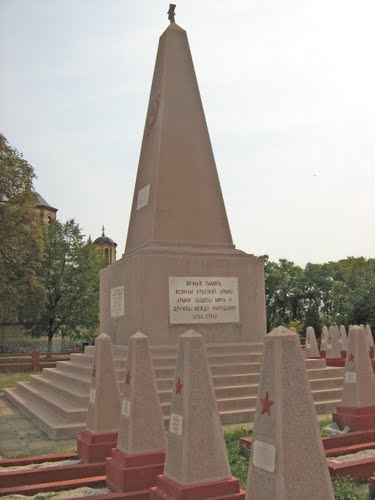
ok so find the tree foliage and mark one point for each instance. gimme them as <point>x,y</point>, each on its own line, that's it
<point>332,293</point>
<point>70,275</point>
<point>21,238</point>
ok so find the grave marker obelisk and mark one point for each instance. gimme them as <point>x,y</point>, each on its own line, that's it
<point>180,268</point>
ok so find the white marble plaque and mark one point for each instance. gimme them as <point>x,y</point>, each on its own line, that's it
<point>125,409</point>
<point>92,395</point>
<point>329,346</point>
<point>203,300</point>
<point>308,346</point>
<point>340,341</point>
<point>264,456</point>
<point>143,194</point>
<point>117,301</point>
<point>351,377</point>
<point>175,424</point>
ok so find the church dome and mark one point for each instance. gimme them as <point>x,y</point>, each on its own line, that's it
<point>102,240</point>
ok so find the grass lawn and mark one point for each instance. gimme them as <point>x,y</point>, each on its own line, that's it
<point>9,380</point>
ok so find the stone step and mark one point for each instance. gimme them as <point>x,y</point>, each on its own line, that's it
<point>53,427</point>
<point>216,359</point>
<point>234,380</point>
<point>230,348</point>
<point>234,404</point>
<point>237,416</point>
<point>79,370</point>
<point>67,380</point>
<point>164,384</point>
<point>81,359</point>
<point>237,391</point>
<point>54,405</point>
<point>42,384</point>
<point>326,383</point>
<point>325,373</point>
<point>314,364</point>
<point>327,395</point>
<point>235,369</point>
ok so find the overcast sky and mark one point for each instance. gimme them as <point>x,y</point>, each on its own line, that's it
<point>288,91</point>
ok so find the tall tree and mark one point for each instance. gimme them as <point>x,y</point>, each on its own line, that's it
<point>21,236</point>
<point>70,274</point>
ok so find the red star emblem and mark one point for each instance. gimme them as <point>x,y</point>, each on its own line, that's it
<point>93,371</point>
<point>127,376</point>
<point>266,404</point>
<point>178,385</point>
<point>351,356</point>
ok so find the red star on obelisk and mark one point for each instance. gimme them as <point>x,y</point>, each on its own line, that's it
<point>266,404</point>
<point>93,371</point>
<point>127,376</point>
<point>351,356</point>
<point>178,385</point>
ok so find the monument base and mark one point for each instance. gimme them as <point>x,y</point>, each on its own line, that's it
<point>358,419</point>
<point>133,472</point>
<point>166,488</point>
<point>95,447</point>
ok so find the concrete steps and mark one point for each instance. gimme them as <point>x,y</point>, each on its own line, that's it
<point>57,399</point>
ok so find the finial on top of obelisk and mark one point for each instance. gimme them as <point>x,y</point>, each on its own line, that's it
<point>171,12</point>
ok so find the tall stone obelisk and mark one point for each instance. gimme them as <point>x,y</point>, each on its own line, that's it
<point>180,267</point>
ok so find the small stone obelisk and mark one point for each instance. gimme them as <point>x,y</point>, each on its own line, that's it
<point>311,346</point>
<point>140,453</point>
<point>281,467</point>
<point>357,408</point>
<point>333,348</point>
<point>343,340</point>
<point>323,341</point>
<point>196,464</point>
<point>369,337</point>
<point>100,435</point>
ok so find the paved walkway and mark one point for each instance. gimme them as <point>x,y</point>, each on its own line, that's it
<point>20,437</point>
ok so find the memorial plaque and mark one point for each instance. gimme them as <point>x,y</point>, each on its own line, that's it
<point>203,300</point>
<point>351,377</point>
<point>125,409</point>
<point>308,346</point>
<point>329,346</point>
<point>117,301</point>
<point>143,194</point>
<point>92,396</point>
<point>175,424</point>
<point>264,456</point>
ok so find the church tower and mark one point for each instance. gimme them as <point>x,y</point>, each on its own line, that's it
<point>107,246</point>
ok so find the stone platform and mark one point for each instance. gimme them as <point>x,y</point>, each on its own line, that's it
<point>57,400</point>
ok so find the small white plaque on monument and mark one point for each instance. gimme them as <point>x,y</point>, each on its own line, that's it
<point>329,346</point>
<point>340,341</point>
<point>203,300</point>
<point>351,377</point>
<point>143,194</point>
<point>175,424</point>
<point>308,346</point>
<point>264,456</point>
<point>117,301</point>
<point>125,409</point>
<point>92,395</point>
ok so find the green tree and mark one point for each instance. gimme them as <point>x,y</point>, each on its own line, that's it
<point>21,236</point>
<point>70,274</point>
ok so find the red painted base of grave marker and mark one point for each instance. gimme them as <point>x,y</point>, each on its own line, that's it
<point>322,354</point>
<point>228,490</point>
<point>357,419</point>
<point>335,362</point>
<point>95,447</point>
<point>133,472</point>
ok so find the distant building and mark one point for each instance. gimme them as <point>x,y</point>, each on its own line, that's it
<point>107,246</point>
<point>47,213</point>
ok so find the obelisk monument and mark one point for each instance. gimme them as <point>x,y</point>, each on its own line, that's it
<point>180,268</point>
